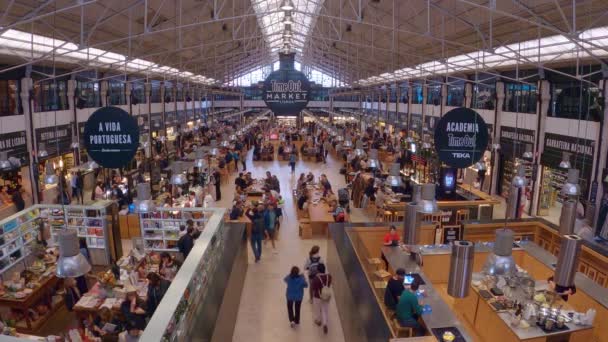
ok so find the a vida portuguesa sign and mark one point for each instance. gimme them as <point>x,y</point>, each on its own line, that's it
<point>286,91</point>
<point>111,137</point>
<point>461,137</point>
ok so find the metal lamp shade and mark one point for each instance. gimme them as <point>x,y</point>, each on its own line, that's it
<point>394,179</point>
<point>565,163</point>
<point>50,178</point>
<point>373,161</point>
<point>42,152</point>
<point>144,198</point>
<point>177,175</point>
<point>71,264</point>
<point>359,151</point>
<point>200,161</point>
<point>428,204</point>
<point>571,187</point>
<point>528,153</point>
<point>519,180</point>
<point>5,164</point>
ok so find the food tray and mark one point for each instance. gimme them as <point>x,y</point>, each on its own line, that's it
<point>438,332</point>
<point>555,328</point>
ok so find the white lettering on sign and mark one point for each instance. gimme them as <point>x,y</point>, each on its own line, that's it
<point>286,92</point>
<point>517,136</point>
<point>462,127</point>
<point>566,146</point>
<point>12,142</point>
<point>460,155</point>
<point>110,127</point>
<point>54,134</point>
<point>464,141</point>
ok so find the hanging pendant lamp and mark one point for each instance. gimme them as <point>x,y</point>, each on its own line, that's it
<point>71,263</point>
<point>50,177</point>
<point>5,164</point>
<point>42,152</point>
<point>565,163</point>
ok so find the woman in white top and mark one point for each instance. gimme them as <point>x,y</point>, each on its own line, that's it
<point>99,193</point>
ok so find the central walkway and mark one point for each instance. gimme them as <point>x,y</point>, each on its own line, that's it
<point>262,313</point>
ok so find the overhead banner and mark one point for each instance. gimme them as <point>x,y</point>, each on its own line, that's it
<point>461,137</point>
<point>286,91</point>
<point>111,137</point>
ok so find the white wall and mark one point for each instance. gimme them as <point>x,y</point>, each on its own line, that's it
<point>416,108</point>
<point>346,104</point>
<point>584,129</point>
<point>518,120</point>
<point>13,123</point>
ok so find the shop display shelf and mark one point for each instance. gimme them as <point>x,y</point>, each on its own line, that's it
<point>11,264</point>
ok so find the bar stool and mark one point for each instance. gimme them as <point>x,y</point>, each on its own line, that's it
<point>435,218</point>
<point>400,330</point>
<point>399,215</point>
<point>462,215</point>
<point>387,216</point>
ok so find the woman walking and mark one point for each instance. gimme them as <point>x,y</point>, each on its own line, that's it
<point>321,291</point>
<point>295,293</point>
<point>292,161</point>
<point>312,264</point>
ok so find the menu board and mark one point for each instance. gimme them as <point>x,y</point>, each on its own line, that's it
<point>451,234</point>
<point>57,139</point>
<point>15,144</point>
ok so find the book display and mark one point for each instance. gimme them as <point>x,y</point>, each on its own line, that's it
<point>161,228</point>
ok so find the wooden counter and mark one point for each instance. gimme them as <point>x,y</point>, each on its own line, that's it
<point>43,295</point>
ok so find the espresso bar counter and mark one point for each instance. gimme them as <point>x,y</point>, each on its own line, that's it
<point>441,315</point>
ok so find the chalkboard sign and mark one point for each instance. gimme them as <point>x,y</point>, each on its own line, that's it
<point>111,137</point>
<point>451,234</point>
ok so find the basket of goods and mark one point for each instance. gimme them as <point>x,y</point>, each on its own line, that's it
<point>107,279</point>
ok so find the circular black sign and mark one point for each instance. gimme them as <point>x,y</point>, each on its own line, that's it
<point>111,137</point>
<point>286,91</point>
<point>461,137</point>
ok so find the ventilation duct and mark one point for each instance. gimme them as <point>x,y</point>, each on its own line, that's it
<point>461,269</point>
<point>567,261</point>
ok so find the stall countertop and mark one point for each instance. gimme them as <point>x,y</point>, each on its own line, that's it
<point>590,287</point>
<point>441,315</point>
<point>442,249</point>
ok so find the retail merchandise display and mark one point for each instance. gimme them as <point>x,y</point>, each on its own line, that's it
<point>509,170</point>
<point>161,227</point>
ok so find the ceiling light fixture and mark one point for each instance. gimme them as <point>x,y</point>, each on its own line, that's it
<point>287,6</point>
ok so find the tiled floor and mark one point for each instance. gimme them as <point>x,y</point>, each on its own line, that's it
<point>263,314</point>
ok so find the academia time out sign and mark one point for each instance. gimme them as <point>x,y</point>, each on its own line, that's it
<point>111,137</point>
<point>286,91</point>
<point>461,137</point>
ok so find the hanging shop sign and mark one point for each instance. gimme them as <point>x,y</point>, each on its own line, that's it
<point>430,122</point>
<point>111,137</point>
<point>287,90</point>
<point>57,139</point>
<point>157,121</point>
<point>15,144</point>
<point>581,152</point>
<point>461,137</point>
<point>451,234</point>
<point>513,140</point>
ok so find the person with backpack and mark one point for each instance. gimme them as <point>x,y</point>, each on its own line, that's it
<point>257,230</point>
<point>321,291</point>
<point>311,265</point>
<point>296,283</point>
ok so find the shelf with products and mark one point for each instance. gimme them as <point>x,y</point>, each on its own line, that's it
<point>160,228</point>
<point>16,233</point>
<point>509,170</point>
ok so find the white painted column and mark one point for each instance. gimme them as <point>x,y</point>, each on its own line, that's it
<point>26,87</point>
<point>602,156</point>
<point>545,102</point>
<point>500,99</point>
<point>103,93</point>
<point>468,94</point>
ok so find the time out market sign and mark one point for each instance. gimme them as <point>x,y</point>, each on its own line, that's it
<point>461,137</point>
<point>286,91</point>
<point>111,137</point>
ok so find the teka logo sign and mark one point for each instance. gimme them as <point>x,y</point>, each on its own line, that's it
<point>461,137</point>
<point>286,91</point>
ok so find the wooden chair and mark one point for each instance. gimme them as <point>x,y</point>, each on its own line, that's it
<point>435,218</point>
<point>399,215</point>
<point>400,330</point>
<point>462,215</point>
<point>387,216</point>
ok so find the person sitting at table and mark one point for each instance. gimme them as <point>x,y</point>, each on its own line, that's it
<point>157,287</point>
<point>370,190</point>
<point>72,293</point>
<point>276,185</point>
<point>301,181</point>
<point>392,238</point>
<point>394,289</point>
<point>303,200</point>
<point>339,213</point>
<point>408,310</point>
<point>237,211</point>
<point>131,333</point>
<point>240,182</point>
<point>326,185</point>
<point>310,178</point>
<point>268,180</point>
<point>248,179</point>
<point>104,317</point>
<point>168,266</point>
<point>133,307</point>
